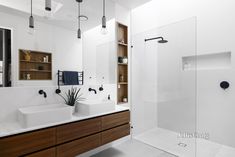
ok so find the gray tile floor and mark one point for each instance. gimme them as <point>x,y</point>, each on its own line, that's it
<point>133,148</point>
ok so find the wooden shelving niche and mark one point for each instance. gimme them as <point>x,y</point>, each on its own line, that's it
<point>122,72</point>
<point>35,65</point>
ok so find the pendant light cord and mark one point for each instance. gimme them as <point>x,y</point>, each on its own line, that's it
<point>31,7</point>
<point>79,12</point>
<point>103,7</point>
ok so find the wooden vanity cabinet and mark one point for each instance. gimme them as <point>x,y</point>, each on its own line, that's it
<point>44,153</point>
<point>114,120</point>
<point>77,130</point>
<point>67,140</point>
<point>26,143</point>
<point>79,146</point>
<point>115,133</point>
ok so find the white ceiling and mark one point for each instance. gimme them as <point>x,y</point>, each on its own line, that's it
<point>131,4</point>
<point>65,11</point>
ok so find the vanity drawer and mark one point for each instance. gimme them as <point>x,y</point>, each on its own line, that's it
<point>116,119</point>
<point>45,153</point>
<point>79,146</point>
<point>77,130</point>
<point>115,133</point>
<point>19,145</point>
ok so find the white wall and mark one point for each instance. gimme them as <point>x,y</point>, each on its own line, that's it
<point>95,47</point>
<point>176,88</point>
<point>215,24</point>
<point>66,49</point>
<point>16,97</point>
<point>122,15</point>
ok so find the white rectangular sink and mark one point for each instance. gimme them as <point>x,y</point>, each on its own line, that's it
<point>93,107</point>
<point>44,114</point>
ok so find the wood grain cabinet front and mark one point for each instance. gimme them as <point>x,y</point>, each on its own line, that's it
<point>67,140</point>
<point>115,133</point>
<point>45,153</point>
<point>77,130</point>
<point>79,146</point>
<point>114,120</point>
<point>23,144</point>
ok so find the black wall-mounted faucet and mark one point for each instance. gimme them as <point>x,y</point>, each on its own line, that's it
<point>42,92</point>
<point>91,89</point>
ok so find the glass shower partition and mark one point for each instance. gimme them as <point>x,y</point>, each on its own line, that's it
<point>164,88</point>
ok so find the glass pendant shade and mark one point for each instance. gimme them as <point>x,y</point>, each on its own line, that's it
<point>31,30</point>
<point>48,5</point>
<point>79,35</point>
<point>104,27</point>
<point>31,22</point>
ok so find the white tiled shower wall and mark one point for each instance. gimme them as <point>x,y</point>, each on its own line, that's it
<point>215,25</point>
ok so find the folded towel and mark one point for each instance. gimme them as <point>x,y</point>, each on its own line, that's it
<point>70,78</point>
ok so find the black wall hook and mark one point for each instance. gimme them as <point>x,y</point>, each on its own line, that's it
<point>224,85</point>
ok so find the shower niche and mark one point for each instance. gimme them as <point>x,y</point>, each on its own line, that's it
<point>214,61</point>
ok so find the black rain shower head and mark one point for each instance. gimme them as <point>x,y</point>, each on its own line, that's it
<point>160,41</point>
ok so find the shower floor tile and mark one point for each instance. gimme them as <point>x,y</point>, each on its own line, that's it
<point>170,142</point>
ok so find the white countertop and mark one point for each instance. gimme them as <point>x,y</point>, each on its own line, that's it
<point>12,128</point>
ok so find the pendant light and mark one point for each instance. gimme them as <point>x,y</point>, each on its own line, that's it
<point>48,5</point>
<point>31,19</point>
<point>104,28</point>
<point>79,33</point>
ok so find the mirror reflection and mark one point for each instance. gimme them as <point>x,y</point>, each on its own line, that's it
<point>38,39</point>
<point>5,57</point>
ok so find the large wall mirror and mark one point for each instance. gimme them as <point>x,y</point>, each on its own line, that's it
<point>32,57</point>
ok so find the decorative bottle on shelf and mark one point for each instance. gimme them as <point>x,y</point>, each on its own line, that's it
<point>124,99</point>
<point>125,60</point>
<point>121,78</point>
<point>27,56</point>
<point>28,76</point>
<point>120,59</point>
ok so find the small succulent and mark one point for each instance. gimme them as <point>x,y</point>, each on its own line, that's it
<point>72,96</point>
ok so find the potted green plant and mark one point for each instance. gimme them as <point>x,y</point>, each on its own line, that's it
<point>72,97</point>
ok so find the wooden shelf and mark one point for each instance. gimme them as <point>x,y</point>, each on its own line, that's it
<point>122,44</point>
<point>33,67</point>
<point>122,83</point>
<point>121,103</point>
<point>123,64</point>
<point>42,71</point>
<point>35,62</point>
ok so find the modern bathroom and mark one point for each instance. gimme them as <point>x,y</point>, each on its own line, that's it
<point>117,78</point>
